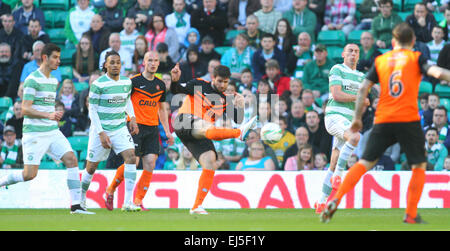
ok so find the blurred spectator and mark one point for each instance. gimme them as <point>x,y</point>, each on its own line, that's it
<point>173,156</point>
<point>210,20</point>
<point>187,161</point>
<point>4,9</point>
<point>84,60</point>
<point>68,95</point>
<point>268,16</point>
<point>250,105</point>
<point>264,92</point>
<point>129,34</point>
<point>264,114</point>
<point>320,161</point>
<point>207,52</point>
<point>369,10</point>
<point>78,21</point>
<point>213,63</point>
<point>165,61</point>
<point>222,163</point>
<point>433,102</point>
<point>315,73</point>
<point>318,135</point>
<point>142,12</point>
<point>113,15</point>
<point>11,154</point>
<point>192,67</point>
<point>367,52</point>
<point>299,56</point>
<point>257,160</point>
<point>297,116</point>
<point>282,5</point>
<point>140,48</point>
<point>384,23</point>
<point>447,164</point>
<point>33,65</point>
<point>309,102</point>
<point>239,10</point>
<point>82,121</point>
<point>34,34</point>
<point>423,106</point>
<point>179,20</point>
<point>253,136</point>
<point>246,81</point>
<point>352,160</point>
<point>17,119</point>
<point>279,83</point>
<point>25,13</point>
<point>192,39</point>
<point>159,33</point>
<point>304,160</point>
<point>294,93</point>
<point>440,122</point>
<point>436,45</point>
<point>443,61</point>
<point>10,69</point>
<point>340,15</point>
<point>436,152</point>
<point>99,34</point>
<point>436,5</point>
<point>301,18</point>
<point>11,35</point>
<point>286,141</point>
<point>445,23</point>
<point>253,31</point>
<point>64,124</point>
<point>268,51</point>
<point>421,22</point>
<point>318,7</point>
<point>125,57</point>
<point>286,39</point>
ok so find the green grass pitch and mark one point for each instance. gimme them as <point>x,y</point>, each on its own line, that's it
<point>219,220</point>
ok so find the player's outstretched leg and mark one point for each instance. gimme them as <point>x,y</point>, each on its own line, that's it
<point>345,153</point>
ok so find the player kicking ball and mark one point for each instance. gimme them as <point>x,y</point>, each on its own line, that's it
<point>41,134</point>
<point>345,82</point>
<point>149,101</point>
<point>397,119</point>
<point>109,104</point>
<point>194,125</point>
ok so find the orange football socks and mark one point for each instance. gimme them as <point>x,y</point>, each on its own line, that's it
<point>220,133</point>
<point>351,179</point>
<point>204,184</point>
<point>116,181</point>
<point>142,186</point>
<point>415,188</point>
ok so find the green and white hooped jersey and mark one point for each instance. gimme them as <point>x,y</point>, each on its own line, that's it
<point>42,91</point>
<point>111,98</point>
<point>351,81</point>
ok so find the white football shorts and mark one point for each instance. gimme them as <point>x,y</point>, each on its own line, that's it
<point>35,145</point>
<point>336,125</point>
<point>121,140</point>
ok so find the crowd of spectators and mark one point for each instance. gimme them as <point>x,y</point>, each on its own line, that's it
<point>271,47</point>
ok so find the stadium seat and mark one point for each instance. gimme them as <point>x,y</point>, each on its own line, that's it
<point>425,87</point>
<point>355,37</point>
<point>398,5</point>
<point>383,50</point>
<point>78,143</point>
<point>335,53</point>
<point>439,16</point>
<point>59,19</point>
<point>57,35</point>
<point>50,165</point>
<point>66,72</point>
<point>230,35</point>
<point>408,5</point>
<point>222,49</point>
<point>66,56</point>
<point>443,91</point>
<point>446,103</point>
<point>3,116</point>
<point>83,155</point>
<point>55,4</point>
<point>333,37</point>
<point>404,15</point>
<point>358,3</point>
<point>79,86</point>
<point>5,103</point>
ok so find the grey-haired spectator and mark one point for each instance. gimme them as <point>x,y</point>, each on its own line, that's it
<point>10,70</point>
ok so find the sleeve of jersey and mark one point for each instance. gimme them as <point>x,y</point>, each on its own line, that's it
<point>29,89</point>
<point>372,74</point>
<point>423,64</point>
<point>185,88</point>
<point>163,96</point>
<point>335,76</point>
<point>94,101</point>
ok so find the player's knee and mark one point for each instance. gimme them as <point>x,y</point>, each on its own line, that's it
<point>354,139</point>
<point>29,176</point>
<point>130,158</point>
<point>70,160</point>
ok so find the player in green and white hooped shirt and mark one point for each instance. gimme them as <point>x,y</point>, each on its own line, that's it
<point>109,103</point>
<point>40,129</point>
<point>344,83</point>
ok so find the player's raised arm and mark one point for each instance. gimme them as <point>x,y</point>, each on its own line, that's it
<point>176,87</point>
<point>360,102</point>
<point>438,72</point>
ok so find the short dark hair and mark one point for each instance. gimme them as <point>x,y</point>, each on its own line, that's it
<point>108,54</point>
<point>266,35</point>
<point>34,20</point>
<point>403,33</point>
<point>432,128</point>
<point>49,49</point>
<point>387,2</point>
<point>222,71</point>
<point>441,107</point>
<point>439,27</point>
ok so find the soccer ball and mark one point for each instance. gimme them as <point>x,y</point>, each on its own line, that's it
<point>271,133</point>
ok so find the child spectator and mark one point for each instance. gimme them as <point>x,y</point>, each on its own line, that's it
<point>173,156</point>
<point>436,44</point>
<point>11,153</point>
<point>64,124</point>
<point>67,94</point>
<point>287,140</point>
<point>320,161</point>
<point>246,81</point>
<point>447,164</point>
<point>304,160</point>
